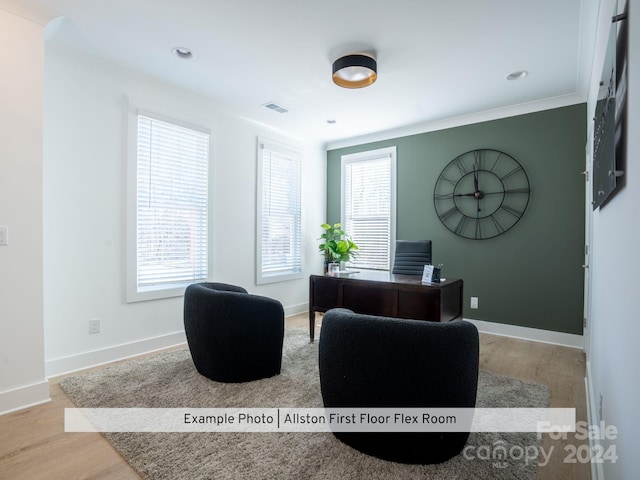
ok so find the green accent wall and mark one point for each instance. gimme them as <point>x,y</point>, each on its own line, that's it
<point>531,275</point>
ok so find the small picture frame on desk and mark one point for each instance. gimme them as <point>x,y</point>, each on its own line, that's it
<point>431,274</point>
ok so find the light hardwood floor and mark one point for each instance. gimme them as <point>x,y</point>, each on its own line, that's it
<point>33,444</point>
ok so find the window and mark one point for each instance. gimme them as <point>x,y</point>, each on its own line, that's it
<point>279,230</point>
<point>368,205</point>
<point>170,212</point>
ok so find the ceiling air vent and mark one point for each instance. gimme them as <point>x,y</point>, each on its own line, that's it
<point>275,107</point>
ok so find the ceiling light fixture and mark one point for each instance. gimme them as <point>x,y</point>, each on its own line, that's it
<point>355,71</point>
<point>183,52</point>
<point>517,75</point>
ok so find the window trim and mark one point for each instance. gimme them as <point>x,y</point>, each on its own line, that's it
<point>132,294</point>
<point>372,155</point>
<point>297,155</point>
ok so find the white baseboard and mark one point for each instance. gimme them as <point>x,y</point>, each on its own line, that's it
<point>38,393</point>
<point>528,333</point>
<point>24,397</point>
<point>597,471</point>
<point>296,309</point>
<point>73,363</point>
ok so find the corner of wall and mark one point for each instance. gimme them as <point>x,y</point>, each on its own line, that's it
<point>24,397</point>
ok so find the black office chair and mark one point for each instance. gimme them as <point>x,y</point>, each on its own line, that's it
<point>411,256</point>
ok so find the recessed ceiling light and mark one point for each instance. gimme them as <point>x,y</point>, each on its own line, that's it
<point>517,75</point>
<point>183,52</point>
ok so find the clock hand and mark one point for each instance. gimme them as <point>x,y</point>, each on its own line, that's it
<point>477,193</point>
<point>494,193</point>
<point>512,190</point>
<point>465,194</point>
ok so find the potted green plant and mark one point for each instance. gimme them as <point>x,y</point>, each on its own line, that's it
<point>337,246</point>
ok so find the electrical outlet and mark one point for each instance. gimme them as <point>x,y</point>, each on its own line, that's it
<point>94,325</point>
<point>4,236</point>
<point>474,302</point>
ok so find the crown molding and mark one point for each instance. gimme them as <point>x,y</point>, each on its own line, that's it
<point>30,10</point>
<point>470,119</point>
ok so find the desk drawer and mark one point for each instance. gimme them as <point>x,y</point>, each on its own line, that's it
<point>325,293</point>
<point>419,306</point>
<point>369,300</point>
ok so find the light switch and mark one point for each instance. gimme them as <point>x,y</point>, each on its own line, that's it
<point>4,235</point>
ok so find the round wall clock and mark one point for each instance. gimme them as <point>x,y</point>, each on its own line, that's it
<point>481,194</point>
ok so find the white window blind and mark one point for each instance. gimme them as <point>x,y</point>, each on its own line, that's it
<point>171,204</point>
<point>368,206</point>
<point>279,226</point>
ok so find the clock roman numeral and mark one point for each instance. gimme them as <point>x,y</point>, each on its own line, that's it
<point>517,190</point>
<point>478,159</point>
<point>461,224</point>
<point>444,196</point>
<point>452,182</point>
<point>458,163</point>
<point>448,213</point>
<point>512,172</point>
<point>496,224</point>
<point>512,211</point>
<point>496,162</point>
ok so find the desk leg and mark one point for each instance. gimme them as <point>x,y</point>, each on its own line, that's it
<point>312,324</point>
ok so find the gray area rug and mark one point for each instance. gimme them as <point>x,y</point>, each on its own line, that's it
<point>169,380</point>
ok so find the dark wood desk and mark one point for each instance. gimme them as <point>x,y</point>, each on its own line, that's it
<point>385,294</point>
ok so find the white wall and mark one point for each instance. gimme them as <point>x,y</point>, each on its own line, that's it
<point>614,353</point>
<point>22,379</point>
<point>84,216</point>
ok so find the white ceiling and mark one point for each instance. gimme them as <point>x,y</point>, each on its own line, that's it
<point>436,59</point>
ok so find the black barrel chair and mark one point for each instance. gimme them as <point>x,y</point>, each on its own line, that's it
<point>233,336</point>
<point>378,362</point>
